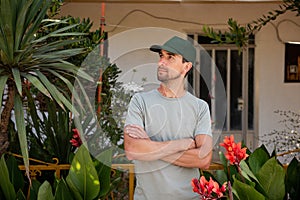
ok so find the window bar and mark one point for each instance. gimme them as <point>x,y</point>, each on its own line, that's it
<point>228,128</point>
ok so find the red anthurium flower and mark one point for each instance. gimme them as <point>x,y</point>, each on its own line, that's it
<point>219,190</point>
<point>234,151</point>
<point>195,185</point>
<point>228,143</point>
<point>76,141</point>
<point>208,190</point>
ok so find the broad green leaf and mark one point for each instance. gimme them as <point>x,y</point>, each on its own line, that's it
<point>5,184</point>
<point>34,189</point>
<point>45,192</point>
<point>293,179</point>
<point>83,178</point>
<point>220,176</point>
<point>246,192</point>
<point>20,123</point>
<point>16,176</point>
<point>104,160</point>
<point>271,176</point>
<point>62,191</point>
<point>258,158</point>
<point>17,77</point>
<point>246,171</point>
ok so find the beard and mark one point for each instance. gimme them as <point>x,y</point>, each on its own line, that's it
<point>165,74</point>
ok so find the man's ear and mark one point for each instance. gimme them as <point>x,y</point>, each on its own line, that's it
<point>187,67</point>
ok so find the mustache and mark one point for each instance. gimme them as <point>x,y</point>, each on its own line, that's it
<point>162,68</point>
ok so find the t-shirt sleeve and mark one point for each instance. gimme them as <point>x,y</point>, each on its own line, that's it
<point>135,111</point>
<point>204,120</point>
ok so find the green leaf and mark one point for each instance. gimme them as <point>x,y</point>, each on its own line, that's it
<point>224,161</point>
<point>104,168</point>
<point>83,178</point>
<point>20,21</point>
<point>34,189</point>
<point>20,195</point>
<point>62,191</point>
<point>258,158</point>
<point>7,12</point>
<point>20,123</point>
<point>58,96</point>
<point>17,77</point>
<point>69,85</point>
<point>45,192</point>
<point>247,172</point>
<point>16,176</point>
<point>293,179</point>
<point>37,83</point>
<point>5,184</point>
<point>246,192</point>
<point>271,176</point>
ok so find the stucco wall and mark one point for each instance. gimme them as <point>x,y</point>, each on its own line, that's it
<point>270,90</point>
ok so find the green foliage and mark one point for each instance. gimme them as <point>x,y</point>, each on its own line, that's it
<point>293,179</point>
<point>271,176</point>
<point>6,186</point>
<point>49,131</point>
<point>24,58</point>
<point>258,158</point>
<point>261,176</point>
<point>245,191</point>
<point>12,181</point>
<point>45,192</point>
<point>83,178</point>
<point>239,34</point>
<point>88,178</point>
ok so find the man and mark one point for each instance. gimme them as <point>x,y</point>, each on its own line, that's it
<point>168,130</point>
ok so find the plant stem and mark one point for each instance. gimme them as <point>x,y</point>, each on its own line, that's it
<point>230,191</point>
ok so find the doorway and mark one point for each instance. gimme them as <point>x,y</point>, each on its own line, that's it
<point>232,110</point>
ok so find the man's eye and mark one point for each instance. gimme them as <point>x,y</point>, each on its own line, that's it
<point>170,57</point>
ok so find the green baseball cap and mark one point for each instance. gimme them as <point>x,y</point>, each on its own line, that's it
<point>179,46</point>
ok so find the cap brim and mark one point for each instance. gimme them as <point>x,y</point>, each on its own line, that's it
<point>158,48</point>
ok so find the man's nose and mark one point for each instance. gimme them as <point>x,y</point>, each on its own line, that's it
<point>162,61</point>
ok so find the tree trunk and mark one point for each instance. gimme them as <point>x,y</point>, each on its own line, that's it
<point>5,117</point>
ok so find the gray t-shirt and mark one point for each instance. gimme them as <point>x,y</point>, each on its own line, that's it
<point>167,119</point>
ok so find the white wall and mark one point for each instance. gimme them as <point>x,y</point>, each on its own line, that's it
<point>270,90</point>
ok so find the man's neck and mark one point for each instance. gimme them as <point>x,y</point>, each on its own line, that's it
<point>170,91</point>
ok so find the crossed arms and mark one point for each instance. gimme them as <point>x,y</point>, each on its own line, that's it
<point>191,153</point>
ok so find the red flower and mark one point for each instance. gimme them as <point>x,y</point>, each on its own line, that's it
<point>234,151</point>
<point>208,190</point>
<point>76,141</point>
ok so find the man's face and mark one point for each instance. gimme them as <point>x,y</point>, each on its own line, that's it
<point>170,66</point>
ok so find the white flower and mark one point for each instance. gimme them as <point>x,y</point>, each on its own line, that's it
<point>132,87</point>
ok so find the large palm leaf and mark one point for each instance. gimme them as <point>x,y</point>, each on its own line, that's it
<point>26,58</point>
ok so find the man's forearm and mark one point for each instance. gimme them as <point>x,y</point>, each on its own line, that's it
<point>148,150</point>
<point>190,158</point>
